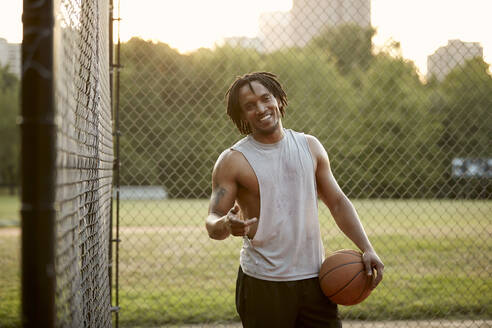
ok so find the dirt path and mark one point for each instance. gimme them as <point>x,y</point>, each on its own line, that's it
<point>10,232</point>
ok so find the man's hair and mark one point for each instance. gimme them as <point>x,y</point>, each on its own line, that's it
<point>268,80</point>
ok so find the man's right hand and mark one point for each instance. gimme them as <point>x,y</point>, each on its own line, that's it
<point>238,227</point>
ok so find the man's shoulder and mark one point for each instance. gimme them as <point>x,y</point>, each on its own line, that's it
<point>313,143</point>
<point>229,159</point>
<point>229,154</point>
<point>310,138</point>
<point>300,134</point>
<point>238,144</point>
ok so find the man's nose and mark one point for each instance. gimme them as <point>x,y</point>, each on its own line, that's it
<point>260,108</point>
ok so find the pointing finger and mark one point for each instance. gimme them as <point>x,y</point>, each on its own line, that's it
<point>235,209</point>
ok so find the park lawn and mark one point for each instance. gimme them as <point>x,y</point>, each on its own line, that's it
<point>10,291</point>
<point>437,256</point>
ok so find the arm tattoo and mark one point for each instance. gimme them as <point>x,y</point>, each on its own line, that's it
<point>216,198</point>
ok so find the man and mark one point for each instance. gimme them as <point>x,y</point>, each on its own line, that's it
<point>265,190</point>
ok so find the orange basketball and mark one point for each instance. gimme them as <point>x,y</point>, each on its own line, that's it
<point>343,277</point>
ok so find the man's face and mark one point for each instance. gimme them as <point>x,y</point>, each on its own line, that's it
<point>259,108</point>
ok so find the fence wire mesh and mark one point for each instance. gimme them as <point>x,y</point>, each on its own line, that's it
<point>84,163</point>
<point>412,152</point>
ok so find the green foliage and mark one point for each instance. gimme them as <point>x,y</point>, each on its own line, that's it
<point>349,46</point>
<point>388,134</point>
<point>9,133</point>
<point>393,129</point>
<point>462,103</point>
<point>467,117</point>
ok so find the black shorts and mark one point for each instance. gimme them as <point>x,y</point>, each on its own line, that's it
<point>284,304</point>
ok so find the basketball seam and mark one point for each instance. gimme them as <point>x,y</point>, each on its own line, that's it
<point>348,283</point>
<point>366,287</point>
<point>349,252</point>
<point>338,266</point>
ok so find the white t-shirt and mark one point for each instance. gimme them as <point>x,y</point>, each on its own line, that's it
<point>287,245</point>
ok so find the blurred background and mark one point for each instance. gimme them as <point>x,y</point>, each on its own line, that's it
<point>398,92</point>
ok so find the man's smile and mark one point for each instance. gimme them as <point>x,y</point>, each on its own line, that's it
<point>265,117</point>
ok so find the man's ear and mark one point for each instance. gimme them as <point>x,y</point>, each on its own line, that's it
<point>280,105</point>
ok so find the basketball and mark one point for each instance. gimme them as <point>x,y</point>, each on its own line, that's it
<point>343,278</point>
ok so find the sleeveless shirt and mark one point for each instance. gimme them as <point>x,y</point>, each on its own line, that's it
<point>287,245</point>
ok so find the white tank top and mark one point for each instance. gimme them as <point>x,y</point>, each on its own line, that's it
<point>287,245</point>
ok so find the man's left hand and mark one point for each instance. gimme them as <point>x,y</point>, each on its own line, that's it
<point>372,263</point>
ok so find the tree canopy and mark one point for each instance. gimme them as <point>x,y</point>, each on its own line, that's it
<point>387,133</point>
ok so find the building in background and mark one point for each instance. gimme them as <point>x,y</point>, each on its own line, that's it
<point>454,54</point>
<point>10,55</point>
<point>308,18</point>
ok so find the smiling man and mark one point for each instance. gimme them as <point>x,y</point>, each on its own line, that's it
<point>265,190</point>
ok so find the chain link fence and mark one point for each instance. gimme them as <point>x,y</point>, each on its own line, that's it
<point>67,164</point>
<point>412,152</point>
<point>84,164</point>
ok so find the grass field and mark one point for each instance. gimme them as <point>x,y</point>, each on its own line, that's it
<point>438,257</point>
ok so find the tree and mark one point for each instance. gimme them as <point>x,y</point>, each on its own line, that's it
<point>9,134</point>
<point>396,133</point>
<point>464,107</point>
<point>467,92</point>
<point>388,134</point>
<point>348,45</point>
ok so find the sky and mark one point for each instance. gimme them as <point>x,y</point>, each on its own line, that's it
<point>421,26</point>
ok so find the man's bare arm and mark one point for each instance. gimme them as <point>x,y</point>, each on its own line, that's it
<point>224,190</point>
<point>342,209</point>
<point>223,214</point>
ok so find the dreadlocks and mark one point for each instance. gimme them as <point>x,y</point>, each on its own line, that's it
<point>268,80</point>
